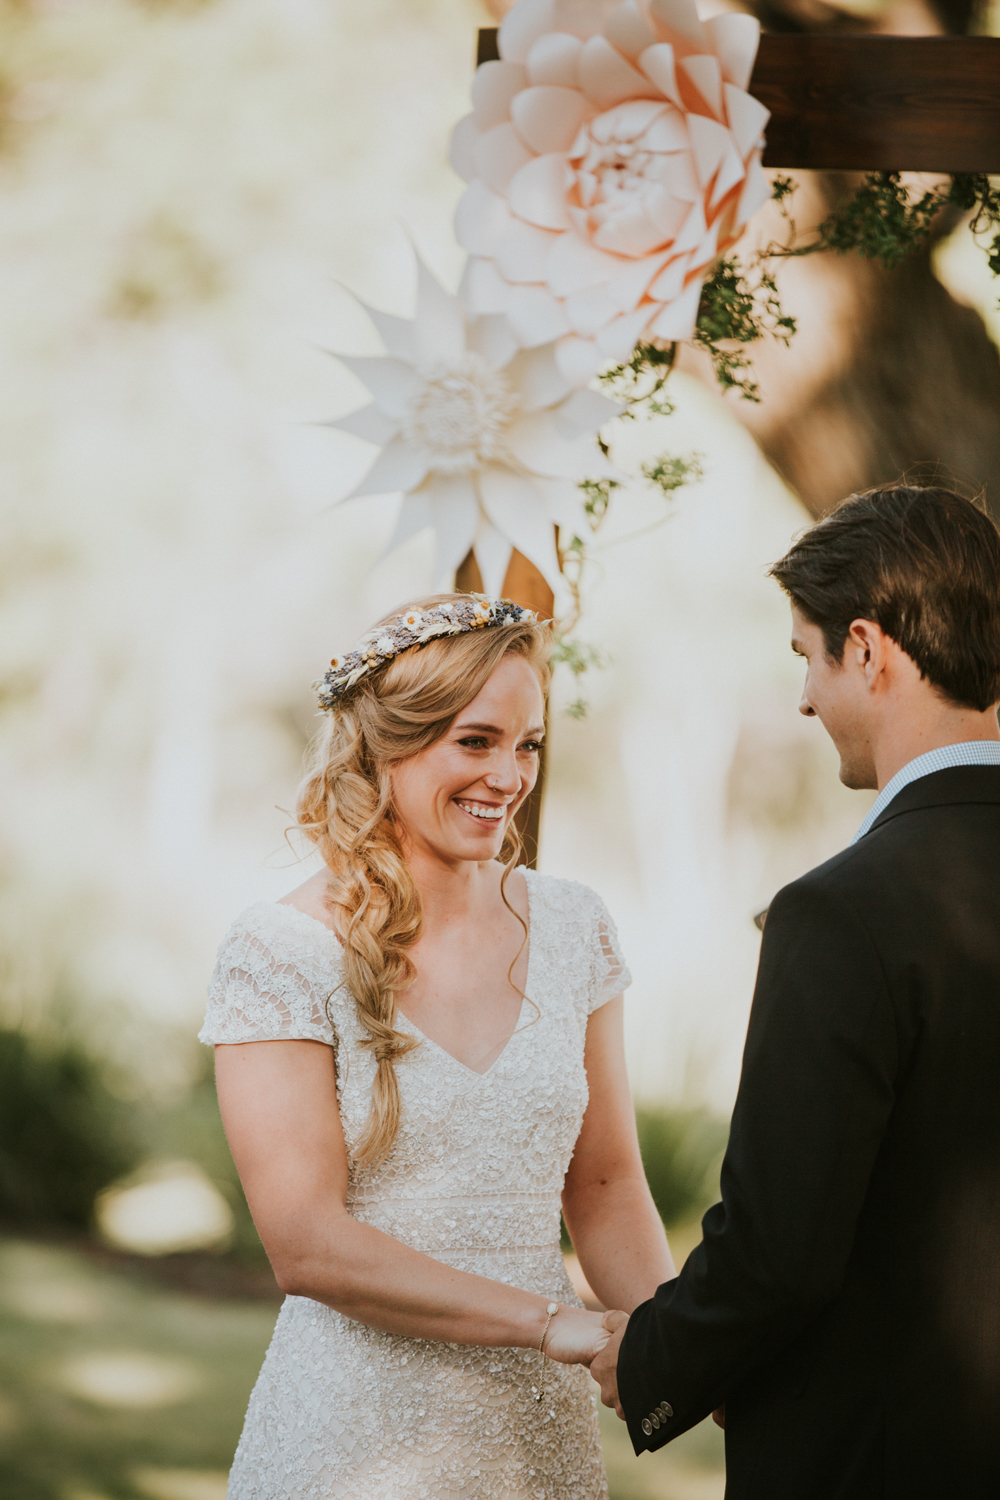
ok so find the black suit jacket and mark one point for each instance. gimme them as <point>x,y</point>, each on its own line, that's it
<point>844,1303</point>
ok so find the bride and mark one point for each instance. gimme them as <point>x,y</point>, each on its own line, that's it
<point>419,1060</point>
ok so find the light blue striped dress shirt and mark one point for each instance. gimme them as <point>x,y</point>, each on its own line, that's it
<point>968,753</point>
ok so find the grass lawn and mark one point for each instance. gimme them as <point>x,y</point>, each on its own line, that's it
<point>116,1387</point>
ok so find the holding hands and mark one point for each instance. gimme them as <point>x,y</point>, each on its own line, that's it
<point>578,1337</point>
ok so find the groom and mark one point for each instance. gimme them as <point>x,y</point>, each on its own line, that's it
<point>844,1304</point>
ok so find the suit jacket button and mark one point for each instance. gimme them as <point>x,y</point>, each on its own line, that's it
<point>666,1410</point>
<point>655,1419</point>
<point>647,1427</point>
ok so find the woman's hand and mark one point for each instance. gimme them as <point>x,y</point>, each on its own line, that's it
<point>576,1336</point>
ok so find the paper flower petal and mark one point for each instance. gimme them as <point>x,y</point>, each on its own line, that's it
<point>524,250</point>
<point>500,153</point>
<point>493,553</point>
<point>535,315</point>
<point>476,403</point>
<point>439,327</point>
<point>575,264</point>
<point>517,509</point>
<point>636,147</point>
<point>735,38</point>
<point>627,31</point>
<point>453,511</point>
<point>578,359</point>
<point>585,411</point>
<point>390,381</point>
<point>483,289</point>
<point>538,377</point>
<point>462,148</point>
<point>618,338</point>
<point>538,443</point>
<point>709,141</point>
<point>522,26</point>
<point>492,339</point>
<point>678,19</point>
<point>548,117</point>
<point>660,66</point>
<point>677,319</point>
<point>704,72</point>
<point>537,190</point>
<point>747,118</point>
<point>396,333</point>
<point>480,219</point>
<point>369,422</point>
<point>605,76</point>
<point>494,85</point>
<point>553,59</point>
<point>399,466</point>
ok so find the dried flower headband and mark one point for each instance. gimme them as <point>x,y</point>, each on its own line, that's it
<point>415,627</point>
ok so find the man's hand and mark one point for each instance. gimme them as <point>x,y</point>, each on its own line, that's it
<point>604,1366</point>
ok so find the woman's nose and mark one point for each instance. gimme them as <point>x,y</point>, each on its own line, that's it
<point>505,776</point>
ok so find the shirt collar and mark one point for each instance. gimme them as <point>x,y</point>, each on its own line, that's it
<point>968,753</point>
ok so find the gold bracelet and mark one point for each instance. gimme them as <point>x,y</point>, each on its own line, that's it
<point>551,1310</point>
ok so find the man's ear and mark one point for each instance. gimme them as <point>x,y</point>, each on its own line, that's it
<point>866,647</point>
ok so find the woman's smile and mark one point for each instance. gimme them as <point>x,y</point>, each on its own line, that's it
<point>483,812</point>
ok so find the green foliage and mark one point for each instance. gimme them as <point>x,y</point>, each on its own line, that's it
<point>192,1130</point>
<point>63,1135</point>
<point>735,311</point>
<point>596,499</point>
<point>669,472</point>
<point>640,383</point>
<point>882,222</point>
<point>682,1152</point>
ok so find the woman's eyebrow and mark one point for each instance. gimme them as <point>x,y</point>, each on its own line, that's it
<point>492,729</point>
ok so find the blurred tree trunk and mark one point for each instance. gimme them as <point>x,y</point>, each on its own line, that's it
<point>888,375</point>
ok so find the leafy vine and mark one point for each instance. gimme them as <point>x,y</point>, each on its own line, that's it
<point>882,221</point>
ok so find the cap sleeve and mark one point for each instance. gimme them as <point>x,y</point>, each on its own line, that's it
<point>609,971</point>
<point>267,987</point>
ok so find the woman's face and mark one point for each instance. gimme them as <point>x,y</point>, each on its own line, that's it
<point>455,799</point>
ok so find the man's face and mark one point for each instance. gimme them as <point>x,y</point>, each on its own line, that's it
<point>837,694</point>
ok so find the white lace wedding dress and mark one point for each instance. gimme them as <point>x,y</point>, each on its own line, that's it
<point>342,1411</point>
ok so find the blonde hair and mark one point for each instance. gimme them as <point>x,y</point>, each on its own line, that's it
<point>345,807</point>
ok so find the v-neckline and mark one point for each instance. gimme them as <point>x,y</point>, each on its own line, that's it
<point>412,1025</point>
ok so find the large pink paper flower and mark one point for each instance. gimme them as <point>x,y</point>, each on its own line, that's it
<point>612,155</point>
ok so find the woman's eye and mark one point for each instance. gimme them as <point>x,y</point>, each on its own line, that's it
<point>474,742</point>
<point>532,745</point>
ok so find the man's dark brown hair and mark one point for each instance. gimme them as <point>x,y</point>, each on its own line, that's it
<point>924,564</point>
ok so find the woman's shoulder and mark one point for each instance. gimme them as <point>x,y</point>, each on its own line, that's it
<point>566,898</point>
<point>276,977</point>
<point>579,933</point>
<point>284,931</point>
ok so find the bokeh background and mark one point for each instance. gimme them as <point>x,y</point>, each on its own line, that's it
<point>185,191</point>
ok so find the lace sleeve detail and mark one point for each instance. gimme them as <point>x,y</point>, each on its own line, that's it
<point>610,972</point>
<point>262,991</point>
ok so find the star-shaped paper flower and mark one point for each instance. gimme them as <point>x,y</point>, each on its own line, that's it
<point>486,441</point>
<point>612,155</point>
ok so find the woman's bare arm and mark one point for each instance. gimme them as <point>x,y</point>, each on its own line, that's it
<point>279,1107</point>
<point>609,1212</point>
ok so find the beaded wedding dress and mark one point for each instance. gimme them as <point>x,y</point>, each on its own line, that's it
<point>342,1411</point>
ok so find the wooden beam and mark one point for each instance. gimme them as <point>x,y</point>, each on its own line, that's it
<point>874,103</point>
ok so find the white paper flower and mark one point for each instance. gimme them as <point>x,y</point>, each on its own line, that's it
<point>612,155</point>
<point>486,440</point>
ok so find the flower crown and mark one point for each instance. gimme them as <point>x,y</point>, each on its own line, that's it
<point>414,627</point>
